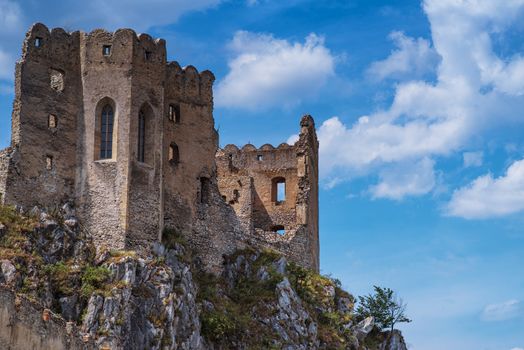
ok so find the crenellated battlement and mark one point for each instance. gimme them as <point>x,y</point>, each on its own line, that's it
<point>186,84</point>
<point>103,120</point>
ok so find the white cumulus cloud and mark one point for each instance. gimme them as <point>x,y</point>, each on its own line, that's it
<point>412,58</point>
<point>487,196</point>
<point>475,88</point>
<point>503,311</point>
<point>266,71</point>
<point>405,179</point>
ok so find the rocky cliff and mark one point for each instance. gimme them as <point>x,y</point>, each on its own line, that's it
<point>58,292</point>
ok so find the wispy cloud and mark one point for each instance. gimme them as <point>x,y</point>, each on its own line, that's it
<point>487,196</point>
<point>266,71</point>
<point>473,159</point>
<point>503,311</point>
<point>412,58</point>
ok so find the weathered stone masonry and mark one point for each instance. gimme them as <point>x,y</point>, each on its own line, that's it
<point>249,180</point>
<point>104,121</point>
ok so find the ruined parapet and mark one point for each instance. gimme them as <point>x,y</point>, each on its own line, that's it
<point>44,119</point>
<point>280,209</point>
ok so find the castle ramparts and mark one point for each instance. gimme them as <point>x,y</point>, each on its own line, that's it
<point>103,121</point>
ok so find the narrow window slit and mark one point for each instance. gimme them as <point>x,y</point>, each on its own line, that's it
<point>52,122</point>
<point>106,132</point>
<point>49,162</point>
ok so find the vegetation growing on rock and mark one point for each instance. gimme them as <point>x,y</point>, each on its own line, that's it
<point>123,300</point>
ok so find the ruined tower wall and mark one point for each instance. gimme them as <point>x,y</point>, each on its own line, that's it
<point>264,166</point>
<point>47,85</point>
<point>189,93</point>
<point>307,202</point>
<point>102,184</point>
<point>248,179</point>
<point>145,177</point>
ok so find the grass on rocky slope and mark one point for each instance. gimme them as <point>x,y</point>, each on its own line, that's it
<point>228,316</point>
<point>65,277</point>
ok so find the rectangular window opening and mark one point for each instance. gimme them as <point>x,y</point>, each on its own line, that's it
<point>38,42</point>
<point>174,154</point>
<point>281,191</point>
<point>260,157</point>
<point>106,50</point>
<point>148,55</point>
<point>174,113</point>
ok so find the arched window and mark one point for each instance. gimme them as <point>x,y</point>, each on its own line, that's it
<point>278,190</point>
<point>141,137</point>
<point>106,132</point>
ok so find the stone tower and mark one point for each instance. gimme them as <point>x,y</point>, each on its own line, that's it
<point>104,120</point>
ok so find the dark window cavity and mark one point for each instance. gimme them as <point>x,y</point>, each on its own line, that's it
<point>141,137</point>
<point>148,55</point>
<point>38,42</point>
<point>174,155</point>
<point>174,113</point>
<point>106,132</point>
<point>260,157</point>
<point>204,190</point>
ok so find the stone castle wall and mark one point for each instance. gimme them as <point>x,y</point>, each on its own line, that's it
<point>63,83</point>
<point>248,180</point>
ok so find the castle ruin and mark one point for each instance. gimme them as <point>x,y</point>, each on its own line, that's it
<point>102,121</point>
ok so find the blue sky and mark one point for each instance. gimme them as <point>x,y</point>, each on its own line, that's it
<point>420,114</point>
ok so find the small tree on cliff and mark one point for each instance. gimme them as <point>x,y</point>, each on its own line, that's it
<point>384,306</point>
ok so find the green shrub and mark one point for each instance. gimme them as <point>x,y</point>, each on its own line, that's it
<point>62,278</point>
<point>93,279</point>
<point>217,326</point>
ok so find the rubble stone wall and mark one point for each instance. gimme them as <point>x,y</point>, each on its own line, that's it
<point>248,181</point>
<point>47,85</point>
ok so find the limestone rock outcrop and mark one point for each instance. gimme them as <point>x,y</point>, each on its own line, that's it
<point>57,292</point>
